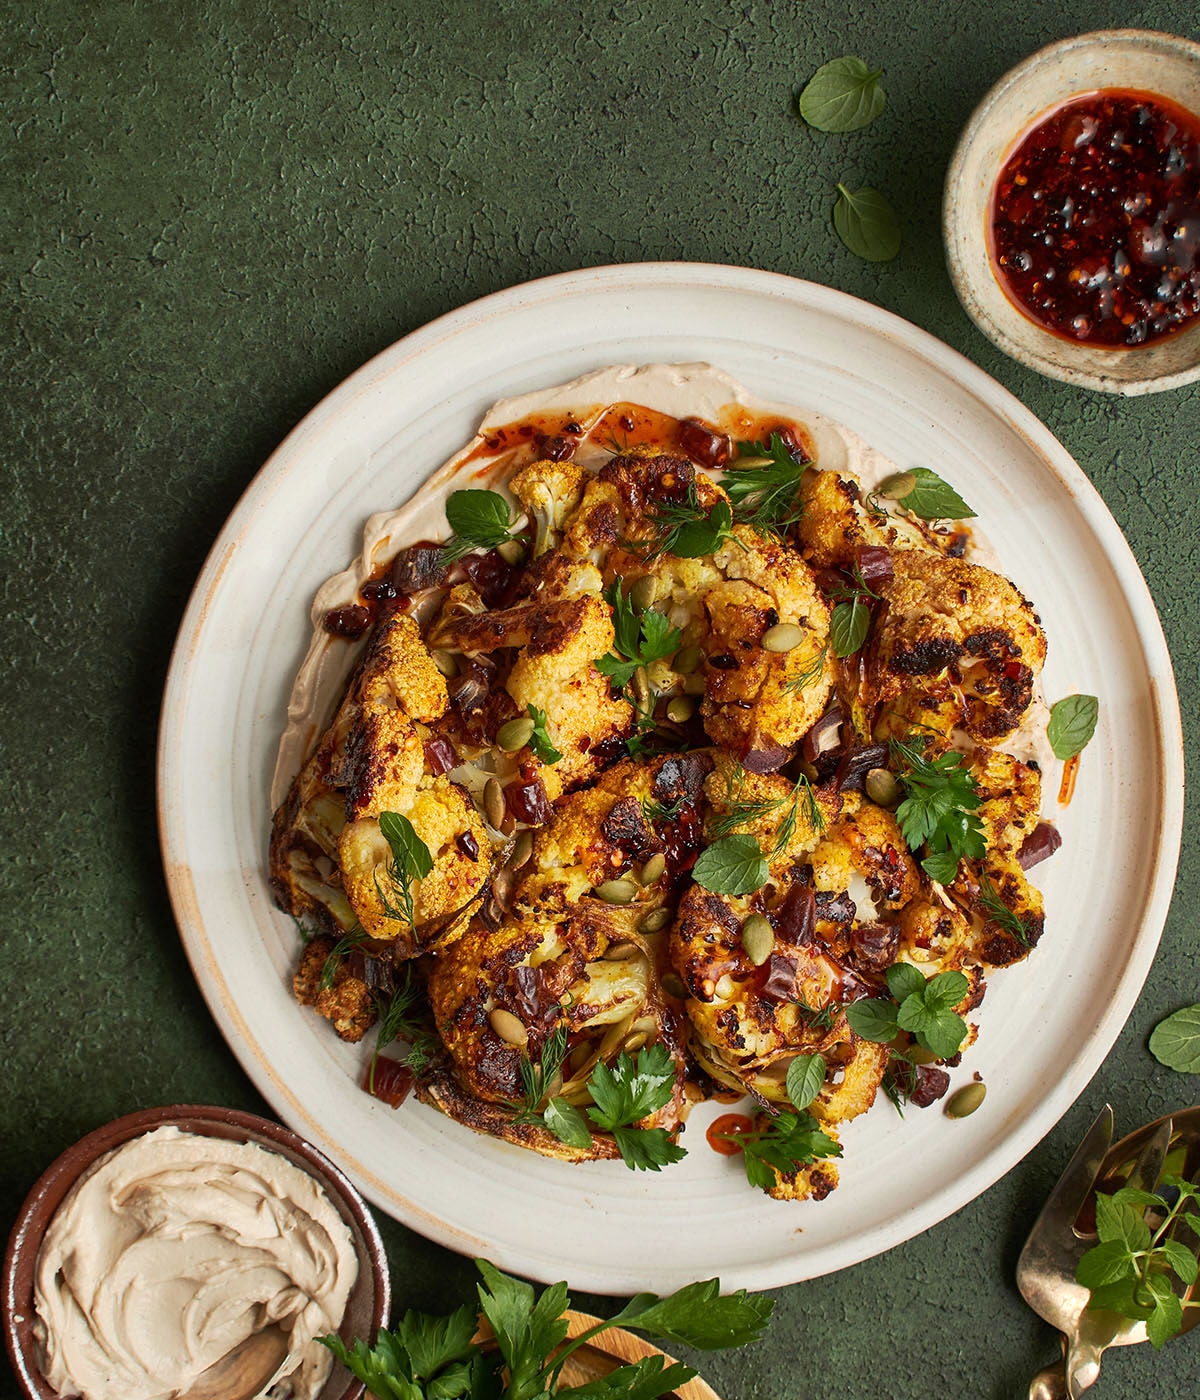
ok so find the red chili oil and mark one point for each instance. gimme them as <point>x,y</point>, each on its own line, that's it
<point>1095,220</point>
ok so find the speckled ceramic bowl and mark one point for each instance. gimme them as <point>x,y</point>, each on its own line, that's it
<point>370,1300</point>
<point>1134,59</point>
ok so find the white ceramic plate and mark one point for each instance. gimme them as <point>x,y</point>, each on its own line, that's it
<point>1046,1025</point>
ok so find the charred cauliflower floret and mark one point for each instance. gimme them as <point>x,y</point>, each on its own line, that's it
<point>443,817</point>
<point>499,995</point>
<point>557,642</point>
<point>324,982</point>
<point>833,525</point>
<point>549,492</point>
<point>959,634</point>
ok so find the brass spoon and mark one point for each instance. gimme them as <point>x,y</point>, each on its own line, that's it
<point>243,1372</point>
<point>1063,1234</point>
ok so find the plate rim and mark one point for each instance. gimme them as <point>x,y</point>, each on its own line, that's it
<point>946,361</point>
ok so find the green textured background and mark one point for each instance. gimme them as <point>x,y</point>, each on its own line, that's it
<point>211,217</point>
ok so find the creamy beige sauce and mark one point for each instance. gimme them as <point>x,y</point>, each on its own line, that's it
<point>172,1250</point>
<point>681,391</point>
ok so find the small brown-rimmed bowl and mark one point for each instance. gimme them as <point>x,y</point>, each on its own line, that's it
<point>1136,60</point>
<point>370,1299</point>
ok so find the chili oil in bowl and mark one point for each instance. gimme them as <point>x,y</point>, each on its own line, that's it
<point>1071,213</point>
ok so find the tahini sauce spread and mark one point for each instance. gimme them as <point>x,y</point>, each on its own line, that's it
<point>174,1248</point>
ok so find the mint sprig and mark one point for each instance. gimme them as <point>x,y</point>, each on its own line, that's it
<point>924,1008</point>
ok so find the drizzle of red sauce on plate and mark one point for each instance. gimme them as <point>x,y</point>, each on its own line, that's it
<point>1095,220</point>
<point>724,1131</point>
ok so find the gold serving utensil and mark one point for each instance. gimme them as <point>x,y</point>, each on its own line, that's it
<point>1064,1232</point>
<point>243,1372</point>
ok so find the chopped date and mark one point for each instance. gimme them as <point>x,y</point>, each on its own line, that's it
<point>418,567</point>
<point>796,918</point>
<point>350,622</point>
<point>929,1085</point>
<point>388,1079</point>
<point>528,803</point>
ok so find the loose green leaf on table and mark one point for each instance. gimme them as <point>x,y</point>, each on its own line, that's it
<point>1175,1042</point>
<point>842,95</point>
<point>1072,724</point>
<point>867,224</point>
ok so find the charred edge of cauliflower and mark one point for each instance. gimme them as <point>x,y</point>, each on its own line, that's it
<point>342,998</point>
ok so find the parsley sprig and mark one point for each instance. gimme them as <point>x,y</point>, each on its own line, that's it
<point>437,1358</point>
<point>636,1086</point>
<point>640,638</point>
<point>539,740</point>
<point>789,1140</point>
<point>478,520</point>
<point>939,808</point>
<point>1130,1271</point>
<point>924,1008</point>
<point>762,484</point>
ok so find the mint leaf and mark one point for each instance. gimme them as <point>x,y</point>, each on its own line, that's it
<point>479,520</point>
<point>873,1019</point>
<point>931,498</point>
<point>946,990</point>
<point>733,865</point>
<point>1181,1260</point>
<point>1072,724</point>
<point>848,626</point>
<point>842,95</point>
<point>867,224</point>
<point>905,980</point>
<point>805,1079</point>
<point>1121,1224</point>
<point>1103,1264</point>
<point>409,852</point>
<point>1175,1042</point>
<point>698,1316</point>
<point>1166,1319</point>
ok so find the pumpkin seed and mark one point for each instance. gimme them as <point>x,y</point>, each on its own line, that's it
<point>641,688</point>
<point>655,920</point>
<point>896,486</point>
<point>653,869</point>
<point>521,851</point>
<point>511,551</point>
<point>635,1041</point>
<point>784,636</point>
<point>725,987</point>
<point>621,951</point>
<point>966,1100</point>
<point>494,808</point>
<point>445,662</point>
<point>681,709</point>
<point>758,938</point>
<point>882,788</point>
<point>687,659</point>
<point>643,593</point>
<point>616,891</point>
<point>515,734</point>
<point>508,1027</point>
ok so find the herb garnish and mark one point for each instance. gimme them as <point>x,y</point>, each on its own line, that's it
<point>640,638</point>
<point>353,938</point>
<point>851,616</point>
<point>743,812</point>
<point>655,811</point>
<point>939,808</point>
<point>923,1008</point>
<point>999,912</point>
<point>635,1086</point>
<point>923,493</point>
<point>410,860</point>
<point>842,95</point>
<point>762,483</point>
<point>539,740</point>
<point>788,1140</point>
<point>1129,1271</point>
<point>479,520</point>
<point>867,224</point>
<point>686,529</point>
<point>733,865</point>
<point>437,1358</point>
<point>1175,1042</point>
<point>396,1021</point>
<point>811,674</point>
<point>1072,724</point>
